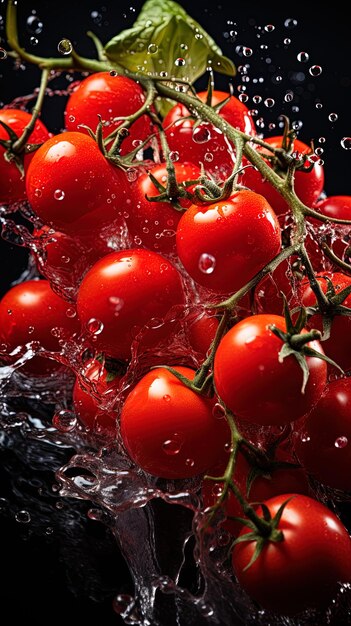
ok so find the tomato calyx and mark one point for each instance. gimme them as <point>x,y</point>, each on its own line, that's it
<point>13,154</point>
<point>295,342</point>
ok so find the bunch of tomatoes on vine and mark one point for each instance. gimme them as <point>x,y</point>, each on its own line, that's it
<point>194,278</point>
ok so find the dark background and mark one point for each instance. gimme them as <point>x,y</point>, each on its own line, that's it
<point>43,576</point>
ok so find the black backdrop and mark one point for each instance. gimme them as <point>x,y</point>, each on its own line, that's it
<point>43,576</point>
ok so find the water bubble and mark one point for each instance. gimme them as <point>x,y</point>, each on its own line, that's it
<point>315,70</point>
<point>243,97</point>
<point>269,28</point>
<point>95,326</point>
<point>59,194</point>
<point>113,73</point>
<point>3,54</point>
<point>34,25</point>
<point>346,143</point>
<point>172,445</point>
<point>321,139</point>
<point>289,96</point>
<point>152,48</point>
<point>198,36</point>
<point>218,411</point>
<point>290,22</point>
<point>167,397</point>
<point>332,117</point>
<point>23,517</point>
<point>341,442</point>
<point>269,102</point>
<point>208,157</point>
<point>65,421</point>
<point>180,62</point>
<point>319,105</point>
<point>183,46</point>
<point>174,155</point>
<point>253,112</point>
<point>319,151</point>
<point>263,46</point>
<point>287,41</point>
<point>201,134</point>
<point>247,52</point>
<point>34,41</point>
<point>65,47</point>
<point>206,610</point>
<point>96,17</point>
<point>297,124</point>
<point>303,57</point>
<point>189,462</point>
<point>207,263</point>
<point>163,74</point>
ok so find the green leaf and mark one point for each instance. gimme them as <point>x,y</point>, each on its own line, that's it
<point>163,33</point>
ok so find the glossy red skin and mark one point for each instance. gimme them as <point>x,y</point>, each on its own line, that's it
<point>149,287</point>
<point>283,279</point>
<point>308,185</point>
<point>95,191</point>
<point>241,233</point>
<point>160,408</point>
<point>252,382</point>
<point>303,570</point>
<point>180,134</point>
<point>292,480</point>
<point>338,346</point>
<point>337,207</point>
<point>12,186</point>
<point>110,97</point>
<point>34,304</point>
<point>315,440</point>
<point>148,220</point>
<point>86,406</point>
<point>201,332</point>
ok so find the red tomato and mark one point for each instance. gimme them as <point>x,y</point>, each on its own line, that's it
<point>31,311</point>
<point>12,185</point>
<point>168,429</point>
<point>72,187</point>
<point>122,293</point>
<point>308,185</point>
<point>207,144</point>
<point>264,486</point>
<point>223,245</point>
<point>303,570</point>
<point>254,384</point>
<point>286,279</point>
<point>338,207</point>
<point>87,406</point>
<point>201,331</point>
<point>153,224</point>
<point>338,346</point>
<point>323,443</point>
<point>111,97</point>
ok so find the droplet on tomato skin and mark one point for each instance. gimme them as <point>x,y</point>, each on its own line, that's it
<point>166,397</point>
<point>117,304</point>
<point>209,157</point>
<point>201,134</point>
<point>173,445</point>
<point>122,603</point>
<point>189,462</point>
<point>65,421</point>
<point>59,194</point>
<point>65,47</point>
<point>174,156</point>
<point>95,326</point>
<point>341,442</point>
<point>218,411</point>
<point>207,263</point>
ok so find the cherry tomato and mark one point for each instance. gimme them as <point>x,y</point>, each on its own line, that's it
<point>153,224</point>
<point>308,185</point>
<point>87,406</point>
<point>201,331</point>
<point>168,429</point>
<point>122,293</point>
<point>254,384</point>
<point>338,346</point>
<point>286,278</point>
<point>205,143</point>
<point>266,485</point>
<point>31,311</point>
<point>323,442</point>
<point>12,185</point>
<point>111,97</point>
<point>337,207</point>
<point>223,245</point>
<point>303,570</point>
<point>72,187</point>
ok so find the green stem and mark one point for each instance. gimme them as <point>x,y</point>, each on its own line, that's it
<point>207,364</point>
<point>22,140</point>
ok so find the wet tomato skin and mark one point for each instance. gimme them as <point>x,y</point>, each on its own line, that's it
<point>253,383</point>
<point>168,429</point>
<point>87,407</point>
<point>303,570</point>
<point>12,185</point>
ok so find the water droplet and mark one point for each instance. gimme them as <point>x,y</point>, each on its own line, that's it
<point>163,74</point>
<point>290,22</point>
<point>117,304</point>
<point>174,155</point>
<point>319,105</point>
<point>96,17</point>
<point>269,28</point>
<point>321,139</point>
<point>59,194</point>
<point>198,36</point>
<point>190,462</point>
<point>315,70</point>
<point>341,442</point>
<point>208,157</point>
<point>243,97</point>
<point>287,41</point>
<point>65,47</point>
<point>166,397</point>
<point>269,102</point>
<point>257,99</point>
<point>180,62</point>
<point>183,46</point>
<point>332,117</point>
<point>172,445</point>
<point>303,57</point>
<point>289,96</point>
<point>95,326</point>
<point>218,411</point>
<point>3,54</point>
<point>247,52</point>
<point>152,48</point>
<point>319,151</point>
<point>201,134</point>
<point>346,143</point>
<point>297,124</point>
<point>23,517</point>
<point>34,25</point>
<point>65,421</point>
<point>207,263</point>
<point>206,610</point>
<point>34,41</point>
<point>113,73</point>
<point>217,490</point>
